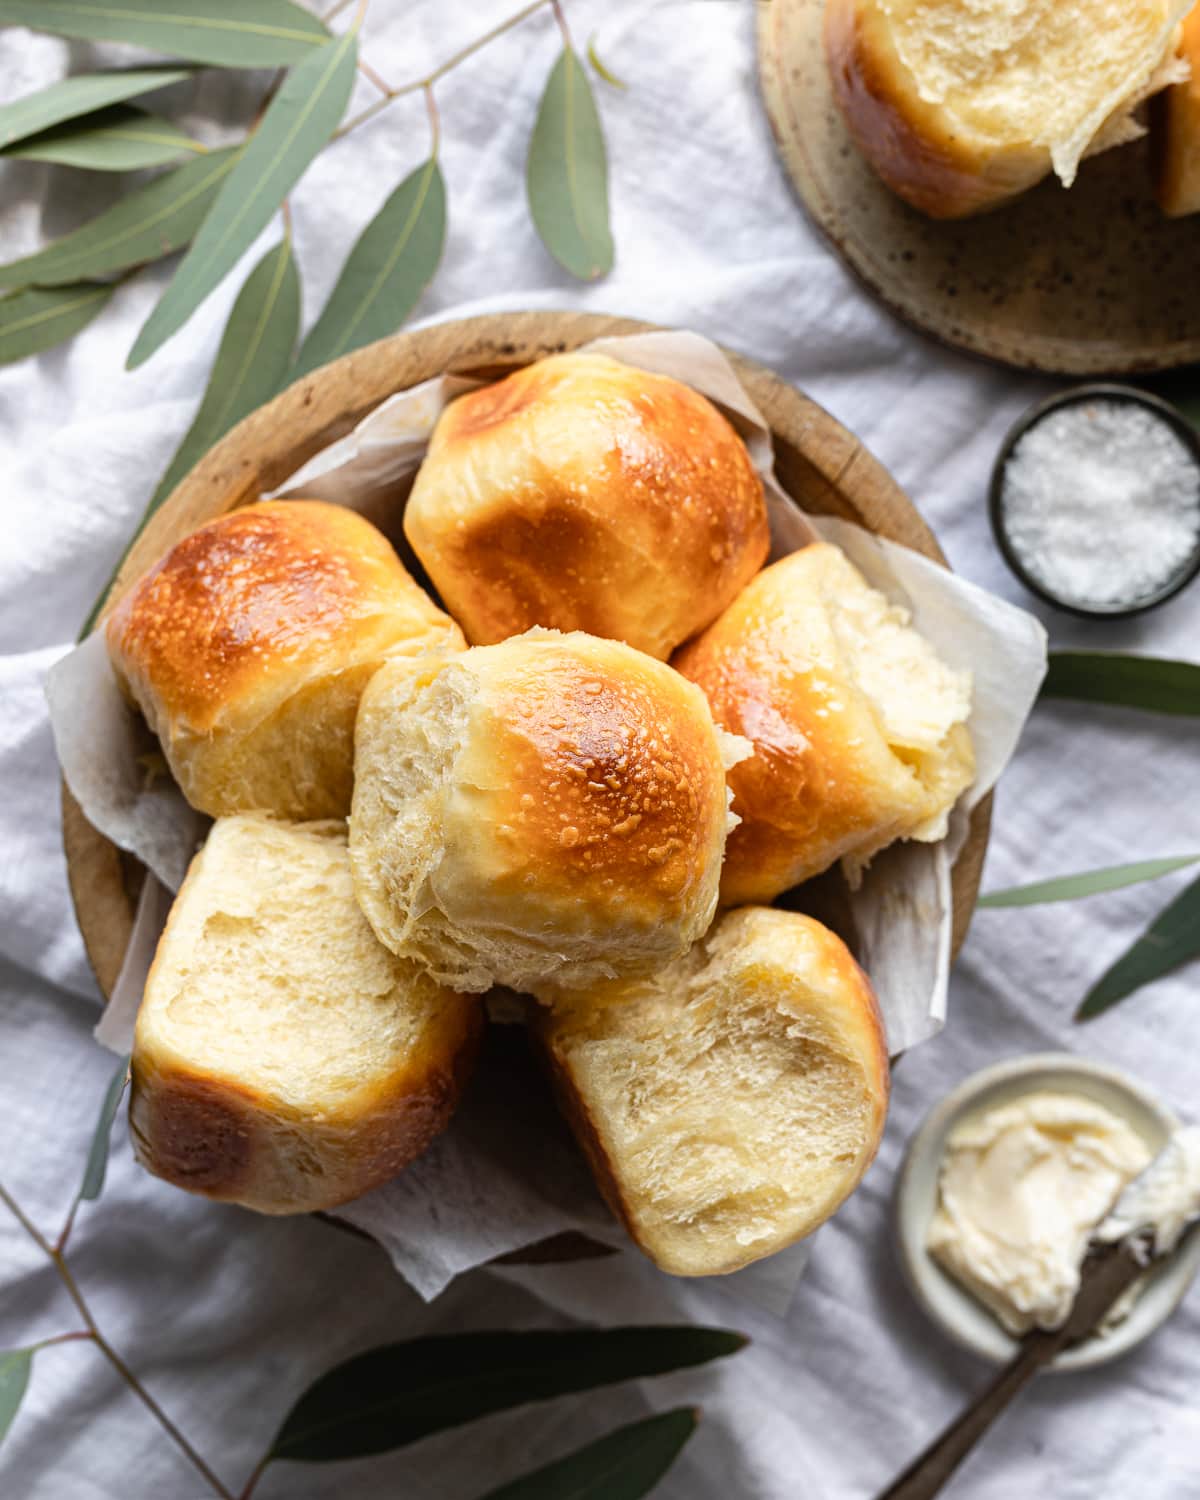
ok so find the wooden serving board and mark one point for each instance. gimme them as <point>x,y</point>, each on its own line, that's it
<point>1093,280</point>
<point>821,465</point>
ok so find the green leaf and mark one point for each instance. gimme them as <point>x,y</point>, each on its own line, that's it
<point>606,73</point>
<point>35,320</point>
<point>298,122</point>
<point>1152,683</point>
<point>1090,883</point>
<point>79,96</point>
<point>246,34</point>
<point>394,1395</point>
<point>566,174</point>
<point>14,1377</point>
<point>389,267</point>
<point>251,365</point>
<point>121,138</point>
<point>144,226</point>
<point>1173,938</point>
<point>97,1162</point>
<point>624,1465</point>
<point>254,356</point>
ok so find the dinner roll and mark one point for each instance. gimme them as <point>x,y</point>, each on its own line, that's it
<point>583,494</point>
<point>1176,130</point>
<point>283,1059</point>
<point>959,105</point>
<point>730,1102</point>
<point>859,730</point>
<point>247,647</point>
<point>553,808</point>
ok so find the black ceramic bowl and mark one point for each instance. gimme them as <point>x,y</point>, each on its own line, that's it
<point>1080,393</point>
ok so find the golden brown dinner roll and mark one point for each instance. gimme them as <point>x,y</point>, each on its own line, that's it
<point>247,647</point>
<point>1176,128</point>
<point>859,730</point>
<point>959,105</point>
<point>283,1059</point>
<point>583,494</point>
<point>550,809</point>
<point>730,1102</point>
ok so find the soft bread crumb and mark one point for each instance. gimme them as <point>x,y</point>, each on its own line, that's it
<point>283,1058</point>
<point>731,1101</point>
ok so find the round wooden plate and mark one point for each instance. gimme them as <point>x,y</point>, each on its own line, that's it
<point>1090,281</point>
<point>824,467</point>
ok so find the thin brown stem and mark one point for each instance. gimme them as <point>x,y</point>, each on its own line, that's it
<point>60,1244</point>
<point>56,1259</point>
<point>336,10</point>
<point>64,1338</point>
<point>562,23</point>
<point>442,69</point>
<point>435,121</point>
<point>260,1468</point>
<point>369,73</point>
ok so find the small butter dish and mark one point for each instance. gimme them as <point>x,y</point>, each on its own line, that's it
<point>1095,500</point>
<point>949,1304</point>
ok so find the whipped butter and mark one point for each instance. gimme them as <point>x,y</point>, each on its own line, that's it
<point>1023,1187</point>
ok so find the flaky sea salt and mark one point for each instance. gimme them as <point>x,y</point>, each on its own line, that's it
<point>1101,502</point>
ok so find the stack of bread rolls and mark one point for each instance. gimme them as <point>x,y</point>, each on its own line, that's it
<point>571,778</point>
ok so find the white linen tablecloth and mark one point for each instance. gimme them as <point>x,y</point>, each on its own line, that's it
<point>227,1315</point>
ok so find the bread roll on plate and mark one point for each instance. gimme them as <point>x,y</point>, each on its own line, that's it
<point>961,104</point>
<point>729,1103</point>
<point>247,647</point>
<point>283,1059</point>
<point>552,809</point>
<point>1176,129</point>
<point>583,494</point>
<point>859,729</point>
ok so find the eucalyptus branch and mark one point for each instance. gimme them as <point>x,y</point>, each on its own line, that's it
<point>62,1338</point>
<point>429,79</point>
<point>91,1331</point>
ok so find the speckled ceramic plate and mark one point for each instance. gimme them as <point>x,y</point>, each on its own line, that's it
<point>1087,282</point>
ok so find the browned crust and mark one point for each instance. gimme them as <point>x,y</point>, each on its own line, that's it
<point>214,1136</point>
<point>613,777</point>
<point>908,142</point>
<point>819,785</point>
<point>1175,132</point>
<point>260,588</point>
<point>659,522</point>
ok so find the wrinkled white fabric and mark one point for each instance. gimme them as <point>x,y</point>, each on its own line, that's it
<point>227,1315</point>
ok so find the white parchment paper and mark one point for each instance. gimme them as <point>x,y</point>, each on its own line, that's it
<point>495,1182</point>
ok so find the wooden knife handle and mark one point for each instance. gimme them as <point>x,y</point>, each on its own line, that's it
<point>930,1470</point>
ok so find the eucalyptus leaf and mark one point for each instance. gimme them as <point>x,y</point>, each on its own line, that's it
<point>566,174</point>
<point>37,319</point>
<point>385,273</point>
<point>399,1393</point>
<point>606,73</point>
<point>14,1377</point>
<point>118,139</point>
<point>251,365</point>
<point>623,1465</point>
<point>1089,883</point>
<point>82,95</point>
<point>299,121</point>
<point>97,1162</point>
<point>144,226</point>
<point>1153,683</point>
<point>245,34</point>
<point>252,361</point>
<point>1173,938</point>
